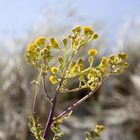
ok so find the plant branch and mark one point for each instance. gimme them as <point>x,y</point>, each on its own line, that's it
<point>50,118</point>
<point>73,90</point>
<point>69,61</point>
<point>37,84</point>
<point>78,102</point>
<point>46,92</point>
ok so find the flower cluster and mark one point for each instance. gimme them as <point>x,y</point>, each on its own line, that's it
<point>81,37</point>
<point>112,65</point>
<point>75,68</point>
<point>41,52</point>
<point>39,55</point>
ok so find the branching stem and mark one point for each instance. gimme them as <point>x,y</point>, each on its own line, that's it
<point>78,102</point>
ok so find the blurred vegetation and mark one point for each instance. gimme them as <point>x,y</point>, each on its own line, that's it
<point>116,104</point>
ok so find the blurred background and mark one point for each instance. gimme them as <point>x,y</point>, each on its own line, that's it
<point>116,104</point>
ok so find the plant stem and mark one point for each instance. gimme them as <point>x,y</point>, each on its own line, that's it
<point>34,103</point>
<point>50,118</point>
<point>78,102</point>
<point>46,92</point>
<point>36,93</point>
<point>74,90</point>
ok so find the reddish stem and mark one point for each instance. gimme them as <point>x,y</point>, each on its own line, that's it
<point>50,118</point>
<point>77,103</point>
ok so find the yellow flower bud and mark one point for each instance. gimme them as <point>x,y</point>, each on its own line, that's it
<point>75,71</point>
<point>80,60</point>
<point>37,49</point>
<point>60,60</point>
<point>95,36</point>
<point>72,64</point>
<point>48,47</point>
<point>53,79</point>
<point>112,57</point>
<point>77,29</point>
<point>45,51</point>
<point>126,65</point>
<point>53,69</point>
<point>104,64</point>
<point>76,67</point>
<point>65,41</point>
<point>40,41</point>
<point>88,30</point>
<point>54,43</point>
<point>103,67</point>
<point>93,72</point>
<point>104,60</point>
<point>31,47</point>
<point>122,56</point>
<point>92,52</point>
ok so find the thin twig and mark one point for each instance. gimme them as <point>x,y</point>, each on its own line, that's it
<point>36,93</point>
<point>46,92</point>
<point>74,90</point>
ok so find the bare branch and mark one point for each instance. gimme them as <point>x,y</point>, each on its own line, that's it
<point>78,102</point>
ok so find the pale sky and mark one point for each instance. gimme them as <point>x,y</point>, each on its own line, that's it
<point>19,16</point>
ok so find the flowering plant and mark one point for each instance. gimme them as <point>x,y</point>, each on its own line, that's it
<point>40,54</point>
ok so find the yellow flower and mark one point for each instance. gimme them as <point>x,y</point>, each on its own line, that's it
<point>112,57</point>
<point>95,36</point>
<point>45,51</point>
<point>60,60</point>
<point>104,60</point>
<point>92,52</point>
<point>92,73</point>
<point>122,56</point>
<point>37,49</point>
<point>72,64</point>
<point>126,65</point>
<point>53,79</point>
<point>80,61</point>
<point>77,29</point>
<point>75,71</point>
<point>88,30</point>
<point>48,47</point>
<point>54,43</point>
<point>31,47</point>
<point>40,41</point>
<point>53,69</point>
<point>65,41</point>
